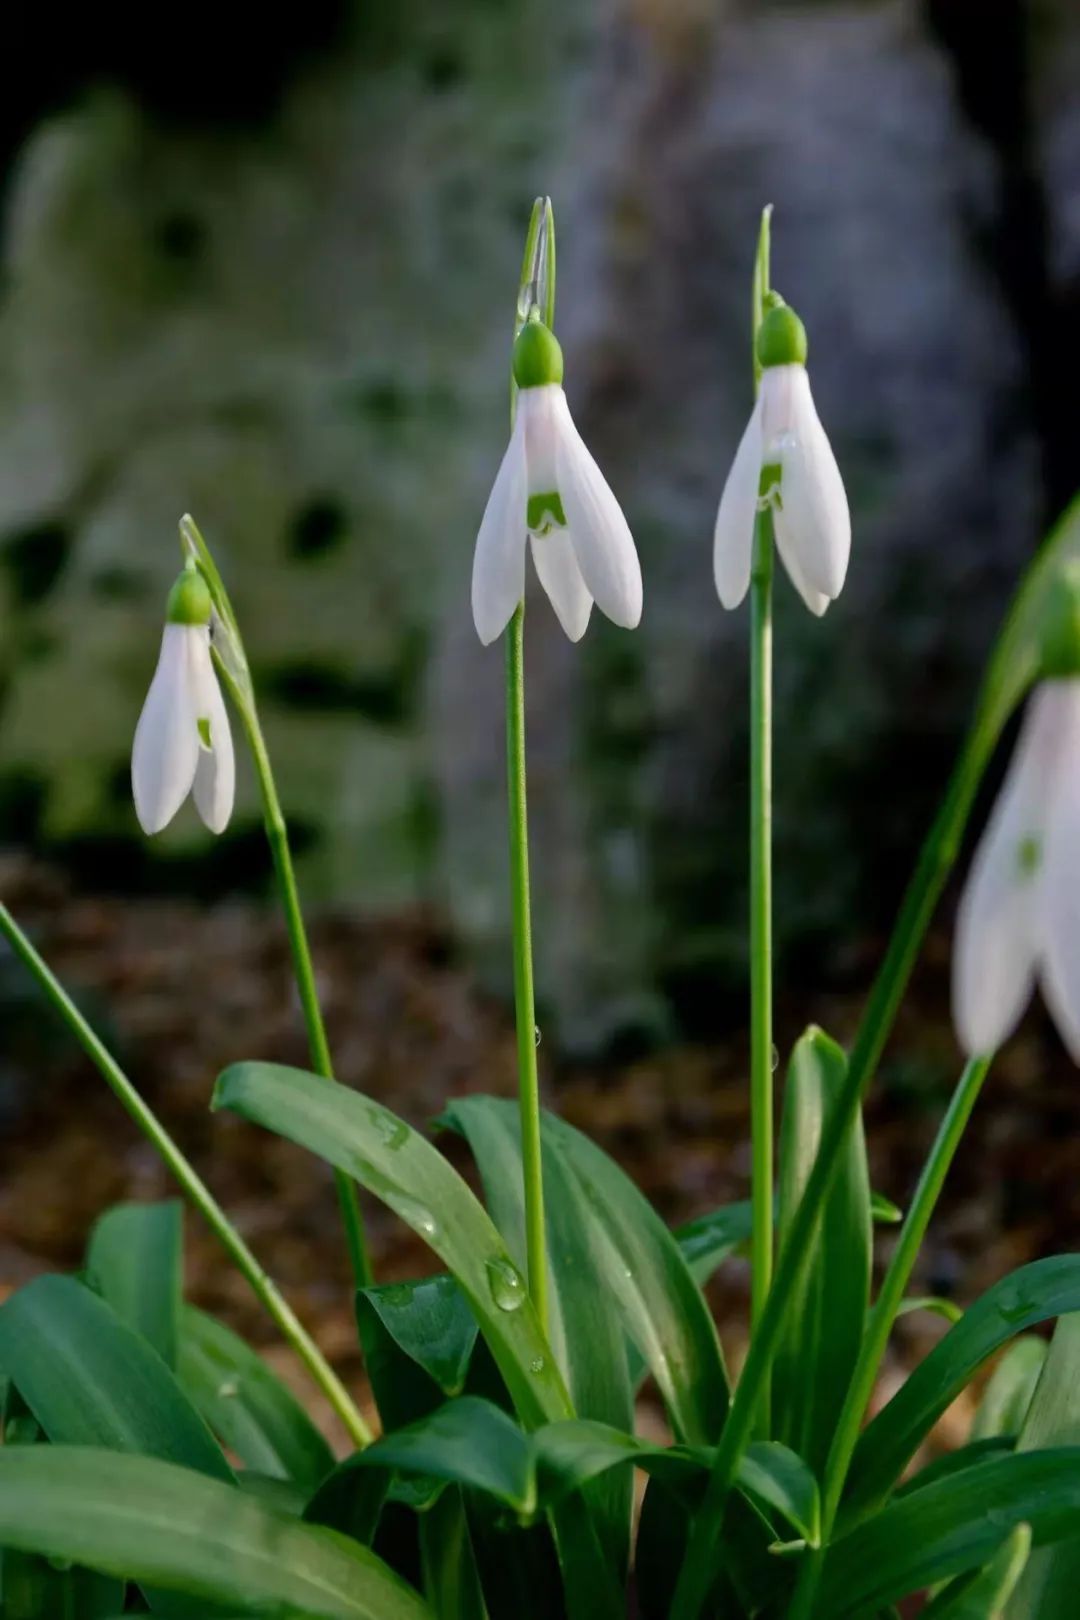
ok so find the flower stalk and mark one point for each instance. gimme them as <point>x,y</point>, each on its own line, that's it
<point>231,661</point>
<point>536,293</point>
<point>188,1179</point>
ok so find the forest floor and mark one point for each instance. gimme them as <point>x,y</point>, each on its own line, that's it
<point>179,991</point>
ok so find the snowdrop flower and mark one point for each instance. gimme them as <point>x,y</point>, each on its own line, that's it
<point>550,492</point>
<point>785,441</point>
<point>182,741</point>
<point>1019,917</point>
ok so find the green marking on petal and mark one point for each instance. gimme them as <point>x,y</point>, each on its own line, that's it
<point>204,732</point>
<point>1029,856</point>
<point>544,513</point>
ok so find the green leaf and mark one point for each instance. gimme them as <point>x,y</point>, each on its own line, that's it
<point>148,1521</point>
<point>351,1500</point>
<point>956,1524</point>
<point>31,1589</point>
<point>1034,1293</point>
<point>134,1260</point>
<point>972,1455</point>
<point>1007,1396</point>
<point>711,1239</point>
<point>89,1380</point>
<point>469,1442</point>
<point>247,1406</point>
<point>451,1583</point>
<point>395,1163</point>
<point>585,1322</point>
<point>642,1266</point>
<point>825,1319</point>
<point>934,1304</point>
<point>984,1596</point>
<point>1048,1589</point>
<point>430,1322</point>
<point>884,1211</point>
<point>473,1443</point>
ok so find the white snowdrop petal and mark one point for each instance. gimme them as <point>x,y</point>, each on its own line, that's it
<point>998,936</point>
<point>733,535</point>
<point>600,534</point>
<point>165,751</point>
<point>498,577</point>
<point>215,771</point>
<point>815,503</point>
<point>559,574</point>
<point>816,601</point>
<point>1060,890</point>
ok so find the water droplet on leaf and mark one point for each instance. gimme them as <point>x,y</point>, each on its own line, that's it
<point>506,1283</point>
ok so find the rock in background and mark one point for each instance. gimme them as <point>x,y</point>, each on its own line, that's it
<point>294,320</point>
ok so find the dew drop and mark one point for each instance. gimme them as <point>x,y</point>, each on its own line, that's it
<point>537,1034</point>
<point>416,1215</point>
<point>229,1389</point>
<point>775,1060</point>
<point>506,1284</point>
<point>536,1365</point>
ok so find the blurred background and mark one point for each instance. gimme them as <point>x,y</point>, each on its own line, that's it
<point>267,275</point>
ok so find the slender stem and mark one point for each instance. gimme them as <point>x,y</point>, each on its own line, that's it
<point>935,862</point>
<point>761,986</point>
<point>278,838</point>
<point>880,1324</point>
<point>191,1183</point>
<point>524,1000</point>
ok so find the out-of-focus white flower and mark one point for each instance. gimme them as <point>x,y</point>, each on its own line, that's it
<point>803,487</point>
<point>182,741</point>
<point>550,492</point>
<point>1019,918</point>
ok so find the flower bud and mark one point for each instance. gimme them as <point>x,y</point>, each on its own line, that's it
<point>781,338</point>
<point>537,357</point>
<point>189,600</point>
<point>1059,652</point>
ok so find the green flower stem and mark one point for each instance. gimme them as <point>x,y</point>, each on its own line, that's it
<point>524,999</point>
<point>278,838</point>
<point>882,1317</point>
<point>536,289</point>
<point>935,863</point>
<point>761,985</point>
<point>762,1241</point>
<point>200,1195</point>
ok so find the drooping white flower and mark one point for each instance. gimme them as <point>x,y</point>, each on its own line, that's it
<point>811,520</point>
<point>182,741</point>
<point>550,492</point>
<point>1019,918</point>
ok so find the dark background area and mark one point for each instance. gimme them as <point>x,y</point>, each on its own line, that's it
<point>266,274</point>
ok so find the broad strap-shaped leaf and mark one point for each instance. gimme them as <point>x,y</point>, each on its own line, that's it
<point>134,1260</point>
<point>957,1524</point>
<point>1004,1404</point>
<point>144,1520</point>
<point>248,1407</point>
<point>1050,1584</point>
<point>1033,1294</point>
<point>468,1442</point>
<point>473,1443</point>
<point>430,1322</point>
<point>90,1380</point>
<point>711,1239</point>
<point>664,1312</point>
<point>448,1562</point>
<point>983,1596</point>
<point>585,1322</point>
<point>32,1589</point>
<point>825,1321</point>
<point>407,1173</point>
